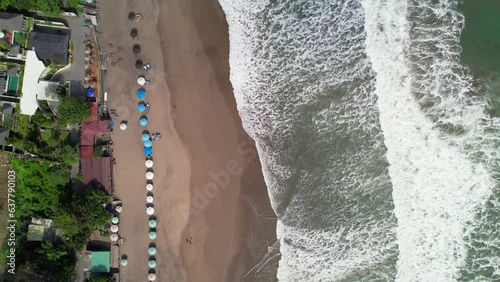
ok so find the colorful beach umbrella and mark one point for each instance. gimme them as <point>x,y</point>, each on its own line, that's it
<point>143,122</point>
<point>149,163</point>
<point>152,223</point>
<point>90,93</point>
<point>148,143</point>
<point>145,137</point>
<point>149,199</point>
<point>152,263</point>
<point>118,209</point>
<point>150,210</point>
<point>123,126</point>
<point>152,251</point>
<point>148,151</point>
<point>141,81</point>
<point>141,94</point>
<point>114,228</point>
<point>149,187</point>
<point>150,175</point>
<point>124,261</point>
<point>115,220</point>
<point>113,237</point>
<point>141,108</point>
<point>151,277</point>
<point>152,235</point>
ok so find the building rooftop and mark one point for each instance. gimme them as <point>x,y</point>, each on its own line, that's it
<point>4,134</point>
<point>33,88</point>
<point>53,47</point>
<point>97,171</point>
<point>11,22</point>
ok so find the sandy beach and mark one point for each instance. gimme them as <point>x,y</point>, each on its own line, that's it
<point>206,167</point>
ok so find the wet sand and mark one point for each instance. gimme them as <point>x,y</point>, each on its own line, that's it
<point>206,167</point>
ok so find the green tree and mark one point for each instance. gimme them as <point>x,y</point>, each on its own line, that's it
<point>73,110</point>
<point>82,216</point>
<point>69,155</point>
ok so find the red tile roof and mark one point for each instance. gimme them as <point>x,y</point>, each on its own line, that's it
<point>97,172</point>
<point>87,151</point>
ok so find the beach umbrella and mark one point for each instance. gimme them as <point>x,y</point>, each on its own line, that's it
<point>152,251</point>
<point>149,199</point>
<point>141,81</point>
<point>152,263</point>
<point>115,220</point>
<point>118,209</point>
<point>113,237</point>
<point>136,49</point>
<point>148,151</point>
<point>152,235</point>
<point>151,277</point>
<point>149,163</point>
<point>150,210</point>
<point>145,137</point>
<point>131,16</point>
<point>141,108</point>
<point>123,126</point>
<point>124,261</point>
<point>134,33</point>
<point>147,144</point>
<point>141,93</point>
<point>143,122</point>
<point>139,64</point>
<point>152,223</point>
<point>149,187</point>
<point>114,228</point>
<point>149,175</point>
<point>90,93</point>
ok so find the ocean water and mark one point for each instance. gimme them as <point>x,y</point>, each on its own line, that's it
<point>378,134</point>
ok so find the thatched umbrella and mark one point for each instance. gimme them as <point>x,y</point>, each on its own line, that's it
<point>93,85</point>
<point>88,51</point>
<point>134,33</point>
<point>86,85</point>
<point>131,16</point>
<point>139,64</point>
<point>136,49</point>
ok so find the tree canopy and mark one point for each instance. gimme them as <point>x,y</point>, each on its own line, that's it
<point>51,7</point>
<point>73,110</point>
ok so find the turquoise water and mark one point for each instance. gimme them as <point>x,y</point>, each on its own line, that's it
<point>378,136</point>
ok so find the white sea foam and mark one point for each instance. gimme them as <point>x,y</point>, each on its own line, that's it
<point>311,47</point>
<point>437,187</point>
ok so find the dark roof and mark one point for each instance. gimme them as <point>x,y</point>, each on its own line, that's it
<point>2,85</point>
<point>11,22</point>
<point>7,109</point>
<point>52,47</point>
<point>4,133</point>
<point>14,51</point>
<point>12,69</point>
<point>97,172</point>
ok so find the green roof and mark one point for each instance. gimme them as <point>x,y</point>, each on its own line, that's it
<point>99,262</point>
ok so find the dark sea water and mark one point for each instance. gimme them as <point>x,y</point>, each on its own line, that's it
<point>378,129</point>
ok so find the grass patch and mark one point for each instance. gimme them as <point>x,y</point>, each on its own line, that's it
<point>29,24</point>
<point>74,3</point>
<point>21,38</point>
<point>21,77</point>
<point>53,68</point>
<point>23,123</point>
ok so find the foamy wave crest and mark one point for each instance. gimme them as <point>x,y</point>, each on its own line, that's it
<point>436,133</point>
<point>304,88</point>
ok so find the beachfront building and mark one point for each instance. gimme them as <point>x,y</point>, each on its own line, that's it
<point>34,88</point>
<point>50,44</point>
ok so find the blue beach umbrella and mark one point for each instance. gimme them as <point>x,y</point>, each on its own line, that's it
<point>148,143</point>
<point>148,151</point>
<point>141,93</point>
<point>90,93</point>
<point>143,122</point>
<point>152,263</point>
<point>145,137</point>
<point>141,108</point>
